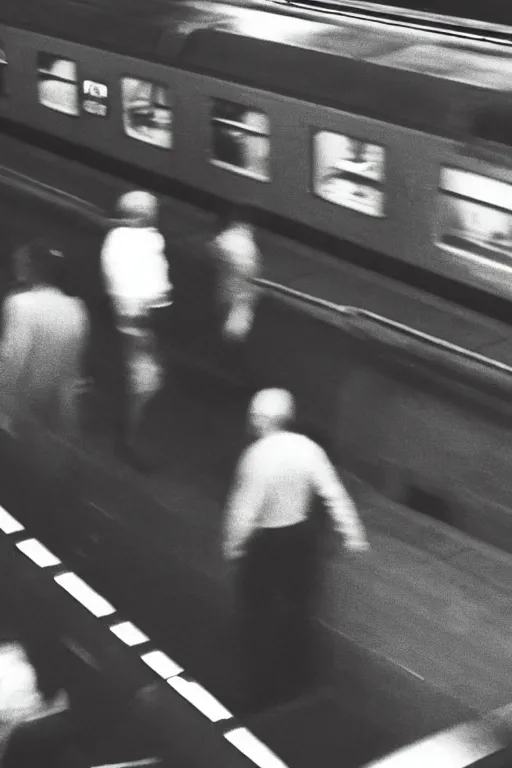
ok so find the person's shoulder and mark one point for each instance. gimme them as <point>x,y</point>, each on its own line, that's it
<point>19,300</point>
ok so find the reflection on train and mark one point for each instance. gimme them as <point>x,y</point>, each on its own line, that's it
<point>394,140</point>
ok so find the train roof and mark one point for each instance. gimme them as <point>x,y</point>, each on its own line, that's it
<point>415,78</point>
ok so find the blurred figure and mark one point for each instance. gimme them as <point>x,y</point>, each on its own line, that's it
<point>135,271</point>
<point>240,263</point>
<point>270,537</point>
<point>34,725</point>
<point>44,338</point>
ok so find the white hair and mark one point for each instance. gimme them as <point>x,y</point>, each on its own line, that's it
<point>138,205</point>
<point>273,404</point>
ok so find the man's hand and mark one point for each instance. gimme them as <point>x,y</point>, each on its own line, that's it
<point>357,544</point>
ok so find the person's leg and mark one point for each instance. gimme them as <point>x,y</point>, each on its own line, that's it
<point>259,631</point>
<point>298,583</point>
<point>144,381</point>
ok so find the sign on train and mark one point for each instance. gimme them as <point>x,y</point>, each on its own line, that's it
<point>95,98</point>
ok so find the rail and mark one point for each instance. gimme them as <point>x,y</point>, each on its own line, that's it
<point>94,214</point>
<point>427,21</point>
<point>358,313</point>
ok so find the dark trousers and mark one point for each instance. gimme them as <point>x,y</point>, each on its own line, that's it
<point>277,585</point>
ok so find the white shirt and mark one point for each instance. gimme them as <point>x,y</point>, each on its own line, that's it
<point>275,482</point>
<point>241,263</point>
<point>20,698</point>
<point>41,353</point>
<point>135,269</point>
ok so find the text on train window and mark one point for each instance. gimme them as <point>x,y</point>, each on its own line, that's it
<point>349,172</point>
<point>58,84</point>
<point>475,214</point>
<point>3,70</point>
<point>147,111</point>
<point>241,138</point>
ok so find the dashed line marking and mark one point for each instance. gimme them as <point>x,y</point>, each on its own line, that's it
<point>38,553</point>
<point>8,523</point>
<point>85,595</point>
<point>162,664</point>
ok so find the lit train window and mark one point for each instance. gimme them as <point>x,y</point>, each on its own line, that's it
<point>241,139</point>
<point>349,172</point>
<point>3,70</point>
<point>58,84</point>
<point>475,214</point>
<point>147,112</point>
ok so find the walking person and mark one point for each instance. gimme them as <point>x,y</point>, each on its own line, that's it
<point>42,347</point>
<point>36,727</point>
<point>239,262</point>
<point>270,537</point>
<point>135,271</point>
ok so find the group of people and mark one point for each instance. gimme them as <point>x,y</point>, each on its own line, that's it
<point>270,534</point>
<point>46,331</point>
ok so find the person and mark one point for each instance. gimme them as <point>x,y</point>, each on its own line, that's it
<point>270,537</point>
<point>35,728</point>
<point>43,344</point>
<point>240,263</point>
<point>135,271</point>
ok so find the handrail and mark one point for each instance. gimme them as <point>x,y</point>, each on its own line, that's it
<point>358,312</point>
<point>92,211</point>
<point>81,206</point>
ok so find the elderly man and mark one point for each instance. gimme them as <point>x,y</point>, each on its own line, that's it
<point>135,271</point>
<point>270,535</point>
<point>44,337</point>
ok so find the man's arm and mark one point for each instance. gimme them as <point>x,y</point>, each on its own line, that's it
<point>243,506</point>
<point>340,505</point>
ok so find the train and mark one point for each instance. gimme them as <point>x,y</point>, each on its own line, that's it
<point>390,142</point>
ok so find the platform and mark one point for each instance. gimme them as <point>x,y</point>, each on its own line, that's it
<point>417,630</point>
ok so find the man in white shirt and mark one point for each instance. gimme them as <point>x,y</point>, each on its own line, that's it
<point>43,344</point>
<point>240,264</point>
<point>270,536</point>
<point>135,271</point>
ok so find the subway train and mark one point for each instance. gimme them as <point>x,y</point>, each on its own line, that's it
<point>393,141</point>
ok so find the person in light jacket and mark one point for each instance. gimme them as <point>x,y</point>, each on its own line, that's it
<point>270,538</point>
<point>239,261</point>
<point>135,271</point>
<point>42,348</point>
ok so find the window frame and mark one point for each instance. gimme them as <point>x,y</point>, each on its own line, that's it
<point>489,254</point>
<point>124,75</point>
<point>77,82</point>
<point>314,131</point>
<point>242,127</point>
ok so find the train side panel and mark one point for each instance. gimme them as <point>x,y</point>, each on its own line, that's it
<point>396,209</point>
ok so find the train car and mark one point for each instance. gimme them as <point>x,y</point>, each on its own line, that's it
<point>392,142</point>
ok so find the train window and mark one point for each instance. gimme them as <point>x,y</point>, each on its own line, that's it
<point>3,70</point>
<point>58,83</point>
<point>147,112</point>
<point>241,138</point>
<point>349,172</point>
<point>476,214</point>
